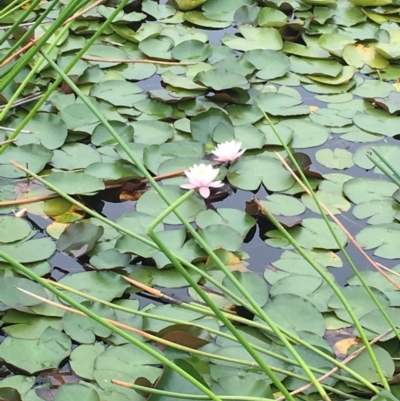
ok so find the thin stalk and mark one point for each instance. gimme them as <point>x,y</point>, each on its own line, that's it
<point>197,307</point>
<point>24,270</point>
<point>167,343</point>
<point>18,21</point>
<point>29,32</point>
<point>275,328</point>
<point>395,177</point>
<point>195,235</point>
<point>194,324</point>
<point>163,248</point>
<point>151,390</point>
<point>330,282</point>
<point>11,8</point>
<point>171,394</point>
<point>56,83</point>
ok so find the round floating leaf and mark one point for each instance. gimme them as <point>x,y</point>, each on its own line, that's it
<point>34,156</point>
<point>198,18</point>
<point>83,357</point>
<point>79,238</point>
<point>278,104</point>
<point>79,117</point>
<point>192,50</point>
<point>152,204</point>
<point>76,183</point>
<point>221,79</point>
<point>76,391</point>
<point>334,43</point>
<point>307,134</point>
<point>379,211</point>
<point>365,189</point>
<point>36,355</point>
<point>105,285</point>
<point>271,17</point>
<point>384,237</point>
<point>333,201</point>
<point>219,236</point>
<point>236,219</point>
<point>118,93</point>
<point>271,64</point>
<point>313,233</point>
<point>13,229</point>
<point>254,38</point>
<point>308,287</point>
<point>253,284</point>
<point>360,301</point>
<point>12,297</point>
<point>213,124</point>
<point>357,55</point>
<point>364,366</point>
<point>30,251</point>
<point>109,259</point>
<point>114,172</point>
<point>295,314</point>
<point>330,68</point>
<point>283,205</point>
<point>378,122</point>
<point>338,159</point>
<point>250,172</point>
<point>47,128</point>
<point>160,132</point>
<point>83,329</point>
<point>74,156</point>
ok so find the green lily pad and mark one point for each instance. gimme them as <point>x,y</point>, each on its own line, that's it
<point>151,203</point>
<point>338,159</point>
<point>76,183</point>
<point>13,229</point>
<point>250,172</point>
<point>383,237</point>
<point>300,316</point>
<point>312,234</point>
<point>105,285</point>
<point>36,355</point>
<point>254,38</point>
<point>34,155</point>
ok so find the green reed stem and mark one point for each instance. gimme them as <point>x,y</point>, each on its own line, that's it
<point>275,328</point>
<point>28,33</point>
<point>12,7</point>
<point>330,282</point>
<point>150,231</point>
<point>197,307</point>
<point>171,394</point>
<point>28,56</point>
<point>395,177</point>
<point>17,22</point>
<point>194,324</point>
<point>180,268</point>
<point>24,270</point>
<point>57,82</point>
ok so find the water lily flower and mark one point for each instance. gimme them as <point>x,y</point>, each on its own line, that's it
<point>202,177</point>
<point>228,151</point>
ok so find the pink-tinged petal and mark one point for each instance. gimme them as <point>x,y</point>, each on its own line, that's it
<point>217,184</point>
<point>204,192</point>
<point>188,186</point>
<point>241,152</point>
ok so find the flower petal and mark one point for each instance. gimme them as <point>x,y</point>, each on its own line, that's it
<point>188,186</point>
<point>217,184</point>
<point>204,192</point>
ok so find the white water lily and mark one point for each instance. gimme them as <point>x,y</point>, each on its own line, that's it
<point>202,177</point>
<point>228,151</point>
